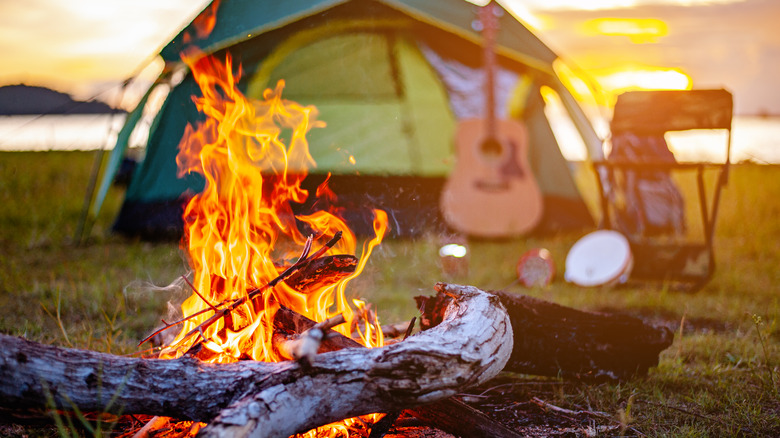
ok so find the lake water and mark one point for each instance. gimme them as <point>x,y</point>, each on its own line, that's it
<point>59,132</point>
<point>753,138</point>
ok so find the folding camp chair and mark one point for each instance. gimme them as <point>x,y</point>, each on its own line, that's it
<point>638,195</point>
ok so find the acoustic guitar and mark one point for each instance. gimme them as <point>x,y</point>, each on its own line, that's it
<point>492,191</point>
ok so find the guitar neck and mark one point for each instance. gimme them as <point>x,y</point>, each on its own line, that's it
<point>489,27</point>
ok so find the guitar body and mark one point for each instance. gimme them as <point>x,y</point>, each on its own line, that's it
<point>492,191</point>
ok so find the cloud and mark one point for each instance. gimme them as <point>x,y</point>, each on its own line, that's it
<point>596,5</point>
<point>70,41</point>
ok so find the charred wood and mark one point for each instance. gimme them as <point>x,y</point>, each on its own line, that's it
<point>320,272</point>
<point>554,340</point>
<point>291,324</point>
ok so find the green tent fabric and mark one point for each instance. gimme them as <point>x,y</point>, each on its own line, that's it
<point>362,64</point>
<point>242,20</point>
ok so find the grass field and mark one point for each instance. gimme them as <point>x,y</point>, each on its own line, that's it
<point>719,378</point>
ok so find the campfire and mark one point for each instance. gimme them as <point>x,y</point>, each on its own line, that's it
<point>241,234</point>
<point>246,249</point>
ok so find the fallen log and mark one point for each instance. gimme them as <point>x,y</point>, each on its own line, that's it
<point>470,346</point>
<point>558,341</point>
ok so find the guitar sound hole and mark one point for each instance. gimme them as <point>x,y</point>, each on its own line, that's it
<point>491,149</point>
<point>492,186</point>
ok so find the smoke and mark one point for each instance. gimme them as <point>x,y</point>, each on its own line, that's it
<point>146,300</point>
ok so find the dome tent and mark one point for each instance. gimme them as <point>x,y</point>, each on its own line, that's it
<point>383,75</point>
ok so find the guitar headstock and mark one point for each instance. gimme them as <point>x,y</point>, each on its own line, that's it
<point>487,24</point>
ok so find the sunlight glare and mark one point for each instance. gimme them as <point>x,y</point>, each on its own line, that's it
<point>572,146</point>
<point>528,17</point>
<point>639,30</point>
<point>574,82</point>
<point>645,79</point>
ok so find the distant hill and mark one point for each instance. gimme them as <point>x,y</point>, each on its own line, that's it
<point>28,100</point>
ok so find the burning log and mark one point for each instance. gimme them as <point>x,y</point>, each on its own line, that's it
<point>309,270</point>
<point>322,271</point>
<point>553,340</point>
<point>305,346</point>
<point>249,398</point>
<point>450,414</point>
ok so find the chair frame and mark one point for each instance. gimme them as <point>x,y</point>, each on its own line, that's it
<point>658,112</point>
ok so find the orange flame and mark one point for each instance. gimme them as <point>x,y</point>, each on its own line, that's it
<point>254,156</point>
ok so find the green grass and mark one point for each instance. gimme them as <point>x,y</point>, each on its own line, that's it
<point>719,378</point>
<point>105,289</point>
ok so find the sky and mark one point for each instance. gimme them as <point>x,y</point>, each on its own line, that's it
<point>86,47</point>
<point>733,44</point>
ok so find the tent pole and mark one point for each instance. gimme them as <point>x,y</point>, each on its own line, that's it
<point>593,144</point>
<point>96,166</point>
